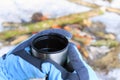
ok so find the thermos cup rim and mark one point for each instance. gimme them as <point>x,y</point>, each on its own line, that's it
<point>58,41</point>
<point>58,31</point>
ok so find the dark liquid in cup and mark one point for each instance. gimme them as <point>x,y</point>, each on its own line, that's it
<point>50,43</point>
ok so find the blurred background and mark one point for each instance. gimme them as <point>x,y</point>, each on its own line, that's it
<point>94,25</point>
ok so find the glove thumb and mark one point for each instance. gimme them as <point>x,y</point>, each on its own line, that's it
<point>77,62</point>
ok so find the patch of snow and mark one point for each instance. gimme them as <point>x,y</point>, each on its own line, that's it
<point>112,22</point>
<point>5,49</point>
<point>115,4</point>
<point>97,52</point>
<point>111,75</point>
<point>114,74</point>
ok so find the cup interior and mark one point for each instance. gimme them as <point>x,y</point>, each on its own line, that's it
<point>50,43</point>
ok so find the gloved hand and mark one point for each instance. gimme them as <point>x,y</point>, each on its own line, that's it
<point>18,64</point>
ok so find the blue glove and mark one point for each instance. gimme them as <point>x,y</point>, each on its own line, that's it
<point>18,64</point>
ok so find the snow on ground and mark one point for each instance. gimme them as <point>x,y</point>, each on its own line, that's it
<point>111,75</point>
<point>5,49</point>
<point>112,22</point>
